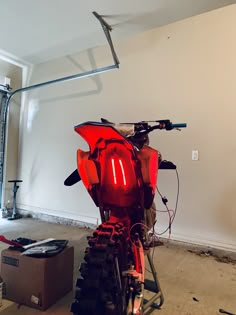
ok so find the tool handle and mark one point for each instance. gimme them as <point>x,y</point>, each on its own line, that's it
<point>225,312</point>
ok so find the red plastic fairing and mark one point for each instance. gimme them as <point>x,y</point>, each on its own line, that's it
<point>119,182</point>
<point>112,164</point>
<point>149,165</point>
<point>94,131</point>
<point>87,169</point>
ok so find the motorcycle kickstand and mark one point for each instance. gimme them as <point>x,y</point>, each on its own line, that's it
<point>152,286</point>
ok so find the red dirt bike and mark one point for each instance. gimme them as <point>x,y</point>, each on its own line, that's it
<point>120,174</point>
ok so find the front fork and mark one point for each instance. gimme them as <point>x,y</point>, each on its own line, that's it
<point>136,279</point>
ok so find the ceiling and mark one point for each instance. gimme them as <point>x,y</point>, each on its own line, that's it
<point>37,31</point>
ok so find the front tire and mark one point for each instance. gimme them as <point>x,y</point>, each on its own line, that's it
<point>101,288</point>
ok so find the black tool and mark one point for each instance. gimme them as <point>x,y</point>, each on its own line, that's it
<point>225,312</point>
<point>15,215</point>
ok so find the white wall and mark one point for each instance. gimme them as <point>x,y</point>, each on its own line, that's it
<point>15,74</point>
<point>185,71</point>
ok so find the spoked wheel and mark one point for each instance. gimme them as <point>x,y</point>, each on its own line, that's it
<point>101,289</point>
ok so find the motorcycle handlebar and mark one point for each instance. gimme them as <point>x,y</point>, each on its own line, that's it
<point>162,124</point>
<point>183,125</point>
<point>140,130</point>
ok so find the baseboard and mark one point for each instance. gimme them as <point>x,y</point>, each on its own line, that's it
<point>88,222</point>
<point>55,219</point>
<point>203,242</point>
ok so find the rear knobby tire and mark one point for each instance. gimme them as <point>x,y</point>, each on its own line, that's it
<point>101,289</point>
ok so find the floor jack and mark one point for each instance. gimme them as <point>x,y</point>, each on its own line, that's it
<point>15,215</point>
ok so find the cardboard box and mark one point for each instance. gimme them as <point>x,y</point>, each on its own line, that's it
<point>37,282</point>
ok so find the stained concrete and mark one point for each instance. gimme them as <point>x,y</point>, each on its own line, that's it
<point>184,276</point>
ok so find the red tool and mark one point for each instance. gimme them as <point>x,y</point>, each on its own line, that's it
<point>9,242</point>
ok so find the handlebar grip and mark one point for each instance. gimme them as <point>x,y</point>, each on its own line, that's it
<point>183,125</point>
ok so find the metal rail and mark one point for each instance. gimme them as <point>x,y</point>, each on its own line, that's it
<point>3,101</point>
<point>5,105</point>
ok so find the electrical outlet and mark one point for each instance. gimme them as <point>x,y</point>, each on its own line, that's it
<point>195,155</point>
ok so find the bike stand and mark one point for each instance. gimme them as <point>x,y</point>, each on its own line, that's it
<point>152,286</point>
<point>15,215</point>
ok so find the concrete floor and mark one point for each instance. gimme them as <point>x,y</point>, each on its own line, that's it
<point>183,275</point>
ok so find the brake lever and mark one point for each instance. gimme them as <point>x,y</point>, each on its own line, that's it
<point>225,312</point>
